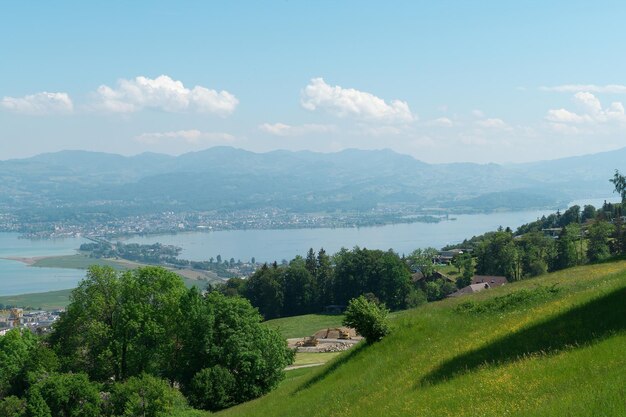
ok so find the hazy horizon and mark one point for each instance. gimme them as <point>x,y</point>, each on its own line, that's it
<point>301,150</point>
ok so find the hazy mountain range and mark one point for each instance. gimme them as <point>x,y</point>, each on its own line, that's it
<point>224,178</point>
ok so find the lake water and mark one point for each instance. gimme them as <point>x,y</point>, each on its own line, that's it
<point>264,245</point>
<point>19,278</point>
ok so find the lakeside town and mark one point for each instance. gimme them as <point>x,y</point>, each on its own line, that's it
<point>175,222</point>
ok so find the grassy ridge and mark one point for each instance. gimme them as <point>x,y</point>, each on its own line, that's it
<point>550,346</point>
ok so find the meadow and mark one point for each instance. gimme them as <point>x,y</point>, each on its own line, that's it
<point>548,346</point>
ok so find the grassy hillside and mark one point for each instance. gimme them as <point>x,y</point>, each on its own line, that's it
<point>550,346</point>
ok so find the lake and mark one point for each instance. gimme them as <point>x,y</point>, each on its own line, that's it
<point>19,278</point>
<point>264,245</point>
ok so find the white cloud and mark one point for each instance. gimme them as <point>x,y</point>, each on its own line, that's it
<point>591,88</point>
<point>478,113</point>
<point>492,123</point>
<point>441,121</point>
<point>165,94</point>
<point>591,115</point>
<point>192,136</point>
<point>40,103</point>
<point>282,129</point>
<point>379,130</point>
<point>350,102</point>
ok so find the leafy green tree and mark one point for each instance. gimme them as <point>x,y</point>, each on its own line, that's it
<point>36,405</point>
<point>422,260</point>
<point>265,291</point>
<point>227,332</point>
<point>619,181</point>
<point>16,348</point>
<point>619,236</point>
<point>497,255</point>
<point>598,244</point>
<point>212,388</point>
<point>415,298</point>
<point>362,271</point>
<point>68,395</point>
<point>589,213</point>
<point>120,325</point>
<point>13,406</point>
<point>566,251</point>
<point>368,318</point>
<point>300,289</point>
<point>145,396</point>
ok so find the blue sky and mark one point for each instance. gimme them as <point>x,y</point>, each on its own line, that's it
<point>485,81</point>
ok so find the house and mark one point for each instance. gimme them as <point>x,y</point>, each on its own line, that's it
<point>492,280</point>
<point>470,289</point>
<point>418,277</point>
<point>446,256</point>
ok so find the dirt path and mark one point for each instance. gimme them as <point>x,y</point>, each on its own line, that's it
<point>308,365</point>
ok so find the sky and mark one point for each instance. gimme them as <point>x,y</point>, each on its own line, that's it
<point>445,81</point>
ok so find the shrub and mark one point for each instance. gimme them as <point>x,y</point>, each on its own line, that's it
<point>368,318</point>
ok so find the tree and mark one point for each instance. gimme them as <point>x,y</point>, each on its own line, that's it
<point>13,407</point>
<point>422,260</point>
<point>368,318</point>
<point>566,252</point>
<point>311,262</point>
<point>300,289</point>
<point>589,213</point>
<point>212,388</point>
<point>598,245</point>
<point>120,325</point>
<point>464,263</point>
<point>497,255</point>
<point>325,278</point>
<point>619,181</point>
<point>145,396</point>
<point>265,291</point>
<point>229,339</point>
<point>68,395</point>
<point>16,348</point>
<point>362,271</point>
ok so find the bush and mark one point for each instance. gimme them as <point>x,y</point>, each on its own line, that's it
<point>212,389</point>
<point>146,396</point>
<point>368,318</point>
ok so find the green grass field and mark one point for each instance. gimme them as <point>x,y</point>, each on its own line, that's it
<point>77,261</point>
<point>306,325</point>
<point>549,346</point>
<point>45,300</point>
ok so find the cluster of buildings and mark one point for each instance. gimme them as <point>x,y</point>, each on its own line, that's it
<point>39,321</point>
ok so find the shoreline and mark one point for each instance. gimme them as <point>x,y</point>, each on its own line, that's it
<point>30,261</point>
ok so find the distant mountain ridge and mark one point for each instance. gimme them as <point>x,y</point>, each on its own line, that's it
<point>226,178</point>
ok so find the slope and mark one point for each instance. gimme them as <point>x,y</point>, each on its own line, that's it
<point>550,346</point>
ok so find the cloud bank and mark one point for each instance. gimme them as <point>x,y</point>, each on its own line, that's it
<point>163,93</point>
<point>344,102</point>
<point>39,103</point>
